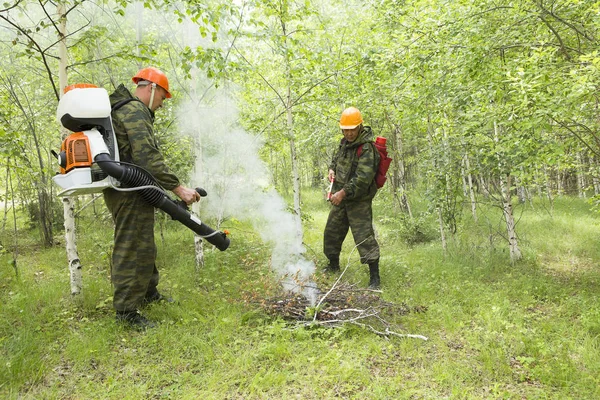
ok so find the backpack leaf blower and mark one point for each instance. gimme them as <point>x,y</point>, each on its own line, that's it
<point>89,160</point>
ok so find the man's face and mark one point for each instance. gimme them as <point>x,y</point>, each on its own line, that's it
<point>351,134</point>
<point>160,95</point>
<point>145,93</point>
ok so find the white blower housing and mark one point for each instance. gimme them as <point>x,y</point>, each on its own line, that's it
<point>85,110</point>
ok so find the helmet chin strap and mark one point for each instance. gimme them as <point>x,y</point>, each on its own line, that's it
<point>152,95</point>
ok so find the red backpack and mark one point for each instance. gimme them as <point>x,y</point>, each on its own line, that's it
<point>384,160</point>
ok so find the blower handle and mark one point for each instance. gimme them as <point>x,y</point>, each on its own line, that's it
<point>184,205</point>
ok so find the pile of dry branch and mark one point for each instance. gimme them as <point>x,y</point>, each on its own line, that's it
<point>342,304</point>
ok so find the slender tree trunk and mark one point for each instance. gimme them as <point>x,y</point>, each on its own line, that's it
<point>291,136</point>
<point>507,208</point>
<point>515,252</point>
<point>549,188</point>
<point>76,278</point>
<point>538,181</point>
<point>439,203</point>
<point>16,233</point>
<point>581,182</point>
<point>442,230</point>
<point>404,204</point>
<point>463,178</point>
<point>295,176</point>
<point>191,38</point>
<point>560,181</point>
<point>6,190</point>
<point>594,175</point>
<point>470,188</point>
<point>484,187</point>
<point>139,29</point>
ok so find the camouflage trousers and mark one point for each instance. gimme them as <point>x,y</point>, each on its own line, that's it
<point>134,274</point>
<point>357,216</point>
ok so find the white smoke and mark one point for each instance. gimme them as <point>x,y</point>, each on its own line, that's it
<point>239,186</point>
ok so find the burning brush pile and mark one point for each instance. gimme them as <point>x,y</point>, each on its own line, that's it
<point>343,304</point>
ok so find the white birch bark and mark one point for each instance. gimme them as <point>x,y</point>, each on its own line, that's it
<point>581,182</point>
<point>76,278</point>
<point>404,204</point>
<point>594,174</point>
<point>515,252</point>
<point>291,137</point>
<point>463,177</point>
<point>435,166</point>
<point>442,232</point>
<point>198,245</point>
<point>507,209</point>
<point>470,188</point>
<point>295,176</point>
<point>191,37</point>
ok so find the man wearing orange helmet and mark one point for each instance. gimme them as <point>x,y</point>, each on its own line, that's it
<point>352,191</point>
<point>134,274</point>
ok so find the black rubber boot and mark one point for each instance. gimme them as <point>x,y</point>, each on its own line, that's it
<point>334,264</point>
<point>134,320</point>
<point>374,282</point>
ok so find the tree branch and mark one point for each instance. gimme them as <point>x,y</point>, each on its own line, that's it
<point>11,7</point>
<point>42,53</point>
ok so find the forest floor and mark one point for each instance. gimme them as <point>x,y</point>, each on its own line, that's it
<point>494,329</point>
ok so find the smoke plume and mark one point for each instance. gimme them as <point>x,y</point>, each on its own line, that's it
<point>239,186</point>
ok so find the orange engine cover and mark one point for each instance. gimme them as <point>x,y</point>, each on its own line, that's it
<point>76,148</point>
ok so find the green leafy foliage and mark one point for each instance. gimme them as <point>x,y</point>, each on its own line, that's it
<point>494,329</point>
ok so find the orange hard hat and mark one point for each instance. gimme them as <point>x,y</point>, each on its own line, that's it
<point>350,118</point>
<point>153,75</point>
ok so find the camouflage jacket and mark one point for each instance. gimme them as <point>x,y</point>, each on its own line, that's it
<point>356,175</point>
<point>133,125</point>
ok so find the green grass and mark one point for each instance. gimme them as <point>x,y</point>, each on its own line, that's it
<point>496,330</point>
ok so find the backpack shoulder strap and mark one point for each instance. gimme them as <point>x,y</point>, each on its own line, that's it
<point>359,150</point>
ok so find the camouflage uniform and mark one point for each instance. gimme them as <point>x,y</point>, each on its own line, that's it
<point>356,175</point>
<point>134,274</point>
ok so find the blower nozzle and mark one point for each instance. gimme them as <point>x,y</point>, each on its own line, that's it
<point>132,177</point>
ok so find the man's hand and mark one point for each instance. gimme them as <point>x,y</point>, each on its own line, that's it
<point>186,194</point>
<point>331,175</point>
<point>337,197</point>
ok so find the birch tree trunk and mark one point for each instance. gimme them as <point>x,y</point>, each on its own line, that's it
<point>76,278</point>
<point>16,236</point>
<point>581,183</point>
<point>515,252</point>
<point>549,188</point>
<point>442,232</point>
<point>594,175</point>
<point>439,203</point>
<point>189,37</point>
<point>470,188</point>
<point>291,136</point>
<point>403,200</point>
<point>198,244</point>
<point>507,208</point>
<point>560,181</point>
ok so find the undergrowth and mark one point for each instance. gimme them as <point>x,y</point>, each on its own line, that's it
<point>496,329</point>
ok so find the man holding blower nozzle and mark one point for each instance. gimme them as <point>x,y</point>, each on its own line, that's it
<point>354,187</point>
<point>134,274</point>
